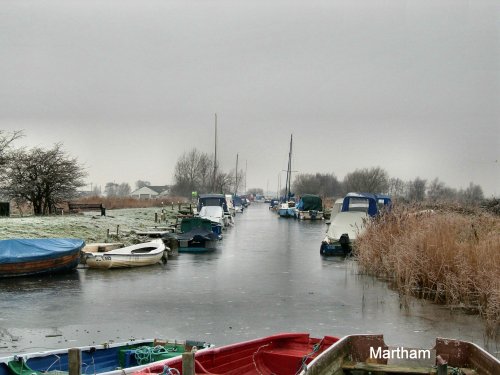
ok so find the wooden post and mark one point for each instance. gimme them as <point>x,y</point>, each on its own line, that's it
<point>74,361</point>
<point>188,363</point>
<point>107,233</point>
<point>172,205</point>
<point>117,230</point>
<point>179,203</point>
<point>156,217</point>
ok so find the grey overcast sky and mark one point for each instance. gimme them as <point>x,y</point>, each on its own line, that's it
<point>128,86</point>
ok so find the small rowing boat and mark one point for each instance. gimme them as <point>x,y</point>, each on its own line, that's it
<point>143,254</point>
<point>35,256</point>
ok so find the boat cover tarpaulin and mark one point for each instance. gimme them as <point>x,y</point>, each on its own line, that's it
<point>27,250</point>
<point>309,202</point>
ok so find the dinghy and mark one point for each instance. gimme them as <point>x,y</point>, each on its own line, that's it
<point>143,254</point>
<point>26,257</point>
<point>281,354</point>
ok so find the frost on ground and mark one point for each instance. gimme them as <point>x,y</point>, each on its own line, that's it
<point>89,226</point>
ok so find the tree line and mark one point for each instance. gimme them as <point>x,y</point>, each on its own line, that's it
<point>377,180</point>
<point>45,178</point>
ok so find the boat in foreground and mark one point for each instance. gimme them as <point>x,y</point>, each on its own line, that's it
<point>143,254</point>
<point>365,354</point>
<point>104,359</point>
<point>26,257</point>
<point>280,354</point>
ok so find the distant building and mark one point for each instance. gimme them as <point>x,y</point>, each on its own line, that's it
<point>150,192</point>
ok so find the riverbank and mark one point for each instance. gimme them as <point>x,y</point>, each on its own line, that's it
<point>90,226</point>
<point>448,257</point>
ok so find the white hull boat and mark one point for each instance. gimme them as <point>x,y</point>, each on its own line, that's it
<point>143,254</point>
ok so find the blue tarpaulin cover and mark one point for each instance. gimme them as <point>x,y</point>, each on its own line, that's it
<point>26,250</point>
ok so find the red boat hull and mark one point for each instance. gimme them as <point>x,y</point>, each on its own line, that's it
<point>281,354</point>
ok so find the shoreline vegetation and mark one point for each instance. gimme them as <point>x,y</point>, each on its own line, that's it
<point>446,254</point>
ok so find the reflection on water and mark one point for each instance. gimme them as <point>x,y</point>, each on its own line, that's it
<point>266,276</point>
<point>65,282</point>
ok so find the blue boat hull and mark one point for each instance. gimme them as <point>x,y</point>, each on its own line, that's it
<point>335,249</point>
<point>26,257</point>
<point>99,359</point>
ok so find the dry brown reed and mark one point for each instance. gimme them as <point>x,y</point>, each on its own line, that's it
<point>449,257</point>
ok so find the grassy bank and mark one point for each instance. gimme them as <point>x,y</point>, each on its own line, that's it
<point>117,225</point>
<point>447,256</point>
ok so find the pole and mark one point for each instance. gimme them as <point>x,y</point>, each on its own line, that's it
<point>246,168</point>
<point>74,361</point>
<point>215,157</point>
<point>236,177</point>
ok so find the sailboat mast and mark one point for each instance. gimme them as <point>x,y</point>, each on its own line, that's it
<point>236,177</point>
<point>215,157</point>
<point>289,171</point>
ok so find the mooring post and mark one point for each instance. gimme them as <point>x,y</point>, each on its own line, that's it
<point>188,363</point>
<point>442,366</point>
<point>74,361</point>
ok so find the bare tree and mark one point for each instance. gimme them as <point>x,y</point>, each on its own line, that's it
<point>193,172</point>
<point>472,195</point>
<point>325,185</point>
<point>140,183</point>
<point>416,190</point>
<point>397,188</point>
<point>123,189</point>
<point>437,191</point>
<point>43,178</point>
<point>373,180</point>
<point>111,189</point>
<point>6,140</point>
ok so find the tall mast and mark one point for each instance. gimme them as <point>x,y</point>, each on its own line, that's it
<point>236,177</point>
<point>215,157</point>
<point>289,172</point>
<point>246,168</point>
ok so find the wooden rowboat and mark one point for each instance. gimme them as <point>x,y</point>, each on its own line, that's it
<point>103,359</point>
<point>26,257</point>
<point>143,254</point>
<point>281,354</point>
<point>365,354</point>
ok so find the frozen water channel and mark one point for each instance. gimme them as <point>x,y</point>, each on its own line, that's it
<point>266,276</point>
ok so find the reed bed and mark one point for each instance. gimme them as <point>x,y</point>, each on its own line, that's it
<point>448,257</point>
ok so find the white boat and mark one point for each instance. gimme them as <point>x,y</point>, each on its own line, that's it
<point>343,231</point>
<point>215,214</point>
<point>143,254</point>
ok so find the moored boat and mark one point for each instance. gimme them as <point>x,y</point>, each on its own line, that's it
<point>196,236</point>
<point>365,354</point>
<point>280,354</point>
<point>26,257</point>
<point>351,221</point>
<point>310,207</point>
<point>143,254</point>
<point>104,359</point>
<point>216,215</point>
